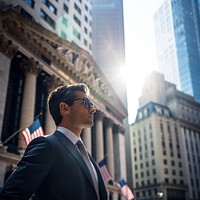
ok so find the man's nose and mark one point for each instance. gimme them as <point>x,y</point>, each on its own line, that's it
<point>93,109</point>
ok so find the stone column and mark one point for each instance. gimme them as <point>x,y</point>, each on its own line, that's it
<point>87,139</point>
<point>31,68</point>
<point>50,82</point>
<point>120,156</point>
<point>99,136</point>
<point>8,51</point>
<point>109,146</point>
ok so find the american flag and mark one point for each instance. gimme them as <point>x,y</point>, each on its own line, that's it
<point>104,171</point>
<point>33,131</point>
<point>125,190</point>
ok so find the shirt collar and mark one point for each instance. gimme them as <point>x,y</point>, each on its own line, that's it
<point>69,134</point>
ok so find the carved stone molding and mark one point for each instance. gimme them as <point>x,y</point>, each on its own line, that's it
<point>51,82</point>
<point>7,47</point>
<point>31,65</point>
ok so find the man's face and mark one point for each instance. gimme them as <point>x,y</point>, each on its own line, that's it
<point>80,115</point>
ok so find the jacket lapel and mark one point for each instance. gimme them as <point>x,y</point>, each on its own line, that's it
<point>71,148</point>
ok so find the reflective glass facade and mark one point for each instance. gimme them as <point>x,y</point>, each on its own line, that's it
<point>186,36</point>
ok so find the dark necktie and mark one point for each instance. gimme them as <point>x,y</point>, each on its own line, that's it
<point>86,158</point>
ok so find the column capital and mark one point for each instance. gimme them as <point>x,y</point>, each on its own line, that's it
<point>99,115</point>
<point>109,122</point>
<point>7,47</point>
<point>119,129</point>
<point>51,82</point>
<point>31,65</point>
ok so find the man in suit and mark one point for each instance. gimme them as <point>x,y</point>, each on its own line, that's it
<point>53,167</point>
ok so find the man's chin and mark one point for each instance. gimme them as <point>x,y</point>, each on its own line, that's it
<point>89,125</point>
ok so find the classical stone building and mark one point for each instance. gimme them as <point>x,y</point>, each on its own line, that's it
<point>165,141</point>
<point>33,61</point>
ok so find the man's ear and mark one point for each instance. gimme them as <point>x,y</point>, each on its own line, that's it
<point>64,107</point>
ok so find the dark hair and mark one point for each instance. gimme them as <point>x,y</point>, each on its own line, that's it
<point>65,94</point>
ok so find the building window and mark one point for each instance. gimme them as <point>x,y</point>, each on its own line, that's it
<point>77,20</point>
<point>63,35</point>
<point>153,162</point>
<point>31,3</point>
<point>85,42</point>
<point>174,181</point>
<point>77,8</point>
<point>180,173</point>
<point>51,7</point>
<point>173,172</point>
<point>135,167</point>
<point>76,33</point>
<point>86,19</point>
<point>86,7</point>
<point>48,19</point>
<point>141,165</point>
<point>65,8</point>
<point>85,30</point>
<point>64,21</point>
<point>25,14</point>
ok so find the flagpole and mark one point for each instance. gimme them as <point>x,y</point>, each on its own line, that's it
<point>19,130</point>
<point>105,156</point>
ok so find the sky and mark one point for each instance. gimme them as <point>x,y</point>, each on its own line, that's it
<point>140,48</point>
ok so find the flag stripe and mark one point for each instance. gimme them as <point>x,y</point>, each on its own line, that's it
<point>104,171</point>
<point>125,190</point>
<point>33,131</point>
<point>105,174</point>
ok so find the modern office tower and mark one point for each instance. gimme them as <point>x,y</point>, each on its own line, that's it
<point>108,48</point>
<point>165,143</point>
<point>33,61</point>
<point>71,20</point>
<point>177,33</point>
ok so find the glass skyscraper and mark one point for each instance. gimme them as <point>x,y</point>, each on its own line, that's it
<point>177,31</point>
<point>108,48</point>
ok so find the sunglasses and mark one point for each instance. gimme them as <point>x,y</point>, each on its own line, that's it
<point>86,102</point>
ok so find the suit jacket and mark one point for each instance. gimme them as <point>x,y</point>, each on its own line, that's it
<point>53,169</point>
